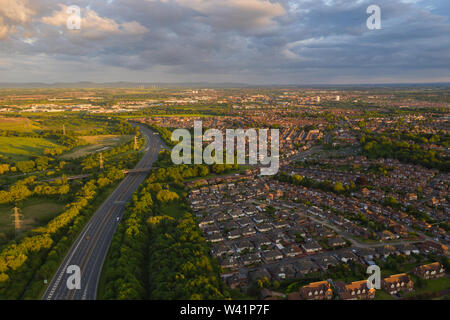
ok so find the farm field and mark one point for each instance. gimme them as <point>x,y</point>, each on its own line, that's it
<point>36,212</point>
<point>22,148</point>
<point>73,125</point>
<point>18,124</point>
<point>95,144</point>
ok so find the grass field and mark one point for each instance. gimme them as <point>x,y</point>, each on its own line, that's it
<point>174,210</point>
<point>18,124</point>
<point>383,295</point>
<point>432,285</point>
<point>20,148</point>
<point>36,212</point>
<point>93,144</point>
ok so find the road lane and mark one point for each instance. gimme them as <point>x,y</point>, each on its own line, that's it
<point>90,254</point>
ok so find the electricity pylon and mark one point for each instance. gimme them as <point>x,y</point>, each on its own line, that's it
<point>101,162</point>
<point>17,220</point>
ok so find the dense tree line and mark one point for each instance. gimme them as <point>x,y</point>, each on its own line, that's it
<point>38,255</point>
<point>27,187</point>
<point>327,186</point>
<point>380,146</point>
<point>19,262</point>
<point>180,267</point>
<point>24,265</point>
<point>156,256</point>
<point>125,269</point>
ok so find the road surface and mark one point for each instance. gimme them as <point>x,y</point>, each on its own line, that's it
<point>89,251</point>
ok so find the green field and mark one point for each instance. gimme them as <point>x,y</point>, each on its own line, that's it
<point>94,144</point>
<point>383,295</point>
<point>36,212</point>
<point>18,124</point>
<point>174,210</point>
<point>20,148</point>
<point>432,286</point>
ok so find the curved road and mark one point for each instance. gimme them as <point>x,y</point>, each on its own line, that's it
<point>89,255</point>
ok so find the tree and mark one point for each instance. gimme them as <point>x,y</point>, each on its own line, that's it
<point>4,168</point>
<point>103,182</point>
<point>391,201</point>
<point>166,196</point>
<point>25,166</point>
<point>339,187</point>
<point>296,179</point>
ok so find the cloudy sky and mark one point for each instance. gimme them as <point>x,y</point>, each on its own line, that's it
<point>246,41</point>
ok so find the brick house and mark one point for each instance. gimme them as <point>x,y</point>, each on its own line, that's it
<point>316,291</point>
<point>357,290</point>
<point>430,271</point>
<point>397,283</point>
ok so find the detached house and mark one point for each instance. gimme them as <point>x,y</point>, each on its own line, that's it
<point>250,259</point>
<point>357,290</point>
<point>316,291</point>
<point>239,280</point>
<point>397,283</point>
<point>305,267</point>
<point>282,272</point>
<point>430,246</point>
<point>336,242</point>
<point>311,247</point>
<point>430,271</point>
<point>272,255</point>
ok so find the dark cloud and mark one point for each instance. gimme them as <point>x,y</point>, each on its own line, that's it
<point>258,41</point>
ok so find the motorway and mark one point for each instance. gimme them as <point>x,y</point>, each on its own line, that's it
<point>89,251</point>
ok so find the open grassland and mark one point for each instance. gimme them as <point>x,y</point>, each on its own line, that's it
<point>174,210</point>
<point>18,124</point>
<point>22,148</point>
<point>94,144</point>
<point>35,212</point>
<point>72,125</point>
<point>432,286</point>
<point>383,295</point>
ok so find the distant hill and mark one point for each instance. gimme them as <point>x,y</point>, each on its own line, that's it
<point>122,84</point>
<point>87,84</point>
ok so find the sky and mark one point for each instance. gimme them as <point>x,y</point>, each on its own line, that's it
<point>241,41</point>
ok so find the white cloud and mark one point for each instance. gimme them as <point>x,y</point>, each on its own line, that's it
<point>251,16</point>
<point>94,26</point>
<point>12,14</point>
<point>232,39</point>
